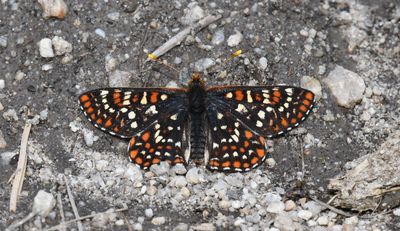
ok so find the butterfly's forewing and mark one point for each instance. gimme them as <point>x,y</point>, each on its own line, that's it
<point>240,117</point>
<point>124,112</point>
<point>266,110</point>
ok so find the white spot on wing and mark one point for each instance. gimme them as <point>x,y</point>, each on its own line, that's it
<point>144,98</point>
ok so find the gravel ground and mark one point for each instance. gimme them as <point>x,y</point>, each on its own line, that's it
<point>346,51</point>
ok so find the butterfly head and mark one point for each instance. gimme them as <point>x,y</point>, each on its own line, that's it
<point>196,81</point>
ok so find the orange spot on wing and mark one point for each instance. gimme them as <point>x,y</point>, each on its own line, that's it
<point>248,134</point>
<point>262,140</point>
<point>135,98</point>
<point>246,165</point>
<point>236,164</point>
<point>214,163</point>
<point>153,97</point>
<point>239,95</point>
<point>89,110</point>
<point>151,150</point>
<point>258,98</point>
<point>155,161</point>
<point>108,123</point>
<point>254,160</point>
<point>306,102</point>
<point>145,136</point>
<point>284,123</point>
<point>117,101</point>
<point>260,152</point>
<point>277,93</point>
<point>309,96</point>
<point>303,108</point>
<point>147,146</point>
<point>84,98</point>
<point>147,164</point>
<point>139,160</point>
<point>224,148</point>
<point>133,154</point>
<point>116,129</point>
<point>116,95</point>
<point>168,147</point>
<point>93,116</point>
<point>300,115</point>
<point>293,120</point>
<point>233,147</point>
<point>246,143</point>
<point>275,100</point>
<point>242,150</point>
<point>87,104</point>
<point>226,164</point>
<point>99,121</point>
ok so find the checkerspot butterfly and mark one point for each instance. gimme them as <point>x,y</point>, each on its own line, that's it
<point>228,123</point>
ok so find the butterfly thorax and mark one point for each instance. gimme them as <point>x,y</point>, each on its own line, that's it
<point>197,107</point>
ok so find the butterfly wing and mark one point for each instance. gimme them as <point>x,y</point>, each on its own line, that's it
<point>240,117</point>
<point>124,112</point>
<point>154,119</point>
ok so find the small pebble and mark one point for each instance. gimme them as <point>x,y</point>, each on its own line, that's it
<point>148,213</point>
<point>3,142</point>
<point>100,32</point>
<point>304,214</point>
<point>19,75</point>
<point>120,222</point>
<point>290,205</point>
<point>2,84</point>
<point>193,176</point>
<point>204,227</point>
<point>43,203</point>
<point>119,79</point>
<point>185,192</point>
<point>263,62</point>
<point>54,8</point>
<point>323,220</point>
<point>114,16</point>
<point>218,37</point>
<point>46,48</point>
<point>276,207</point>
<point>158,221</point>
<point>137,226</point>
<point>235,39</point>
<point>179,181</point>
<point>47,67</point>
<point>10,115</point>
<point>3,41</point>
<point>181,227</point>
<point>203,64</point>
<point>61,46</point>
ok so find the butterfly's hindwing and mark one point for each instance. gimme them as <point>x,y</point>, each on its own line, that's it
<point>162,141</point>
<point>124,112</point>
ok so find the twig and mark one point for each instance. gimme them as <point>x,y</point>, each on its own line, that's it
<point>21,168</point>
<point>332,199</point>
<point>338,211</point>
<point>21,222</point>
<point>178,38</point>
<point>73,205</point>
<point>60,207</point>
<point>83,218</point>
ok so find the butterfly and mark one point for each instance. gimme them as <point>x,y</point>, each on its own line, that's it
<point>223,126</point>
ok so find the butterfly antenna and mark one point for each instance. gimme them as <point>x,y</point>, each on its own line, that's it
<point>156,58</point>
<point>232,56</point>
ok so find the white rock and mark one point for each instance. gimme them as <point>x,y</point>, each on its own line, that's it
<point>290,205</point>
<point>185,192</point>
<point>263,63</point>
<point>235,179</point>
<point>137,226</point>
<point>47,67</point>
<point>160,169</point>
<point>61,46</point>
<point>276,207</point>
<point>3,142</point>
<point>148,213</point>
<point>100,32</point>
<point>2,84</point>
<point>3,41</point>
<point>235,39</point>
<point>19,75</point>
<point>43,203</point>
<point>323,220</point>
<point>181,227</point>
<point>284,222</point>
<point>101,164</point>
<point>114,16</point>
<point>89,137</point>
<point>346,86</point>
<point>158,220</point>
<point>54,8</point>
<point>396,212</point>
<point>218,37</point>
<point>192,14</point>
<point>179,181</point>
<point>304,214</point>
<point>45,48</point>
<point>10,115</point>
<point>351,220</point>
<point>224,204</point>
<point>193,176</point>
<point>204,227</point>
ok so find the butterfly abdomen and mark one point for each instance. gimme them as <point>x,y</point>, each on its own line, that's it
<point>197,107</point>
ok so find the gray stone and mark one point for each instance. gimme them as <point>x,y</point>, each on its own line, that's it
<point>346,86</point>
<point>3,142</point>
<point>100,32</point>
<point>3,41</point>
<point>284,222</point>
<point>218,37</point>
<point>204,227</point>
<point>10,115</point>
<point>114,16</point>
<point>137,226</point>
<point>61,46</point>
<point>193,176</point>
<point>235,179</point>
<point>192,14</point>
<point>263,63</point>
<point>43,203</point>
<point>276,207</point>
<point>158,220</point>
<point>119,79</point>
<point>2,84</point>
<point>160,169</point>
<point>179,181</point>
<point>203,64</point>
<point>304,214</point>
<point>181,227</point>
<point>362,186</point>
